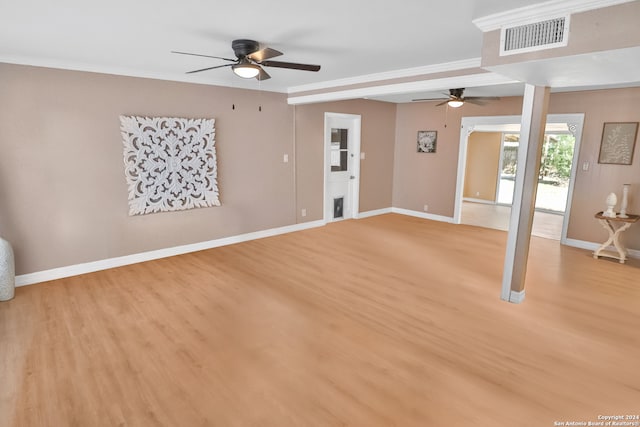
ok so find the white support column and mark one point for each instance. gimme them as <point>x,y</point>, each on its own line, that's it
<point>534,115</point>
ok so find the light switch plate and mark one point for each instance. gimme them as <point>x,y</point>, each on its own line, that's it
<point>285,158</point>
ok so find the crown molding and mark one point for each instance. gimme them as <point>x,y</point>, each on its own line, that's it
<point>471,80</point>
<point>389,75</point>
<point>541,11</point>
<point>126,72</point>
<point>194,79</point>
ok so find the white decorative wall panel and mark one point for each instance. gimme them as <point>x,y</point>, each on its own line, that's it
<point>169,163</point>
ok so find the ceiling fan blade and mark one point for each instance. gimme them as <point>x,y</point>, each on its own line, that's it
<point>482,98</point>
<point>291,65</point>
<point>204,56</point>
<point>427,99</point>
<point>442,103</point>
<point>263,75</point>
<point>209,68</point>
<point>474,101</point>
<point>264,54</point>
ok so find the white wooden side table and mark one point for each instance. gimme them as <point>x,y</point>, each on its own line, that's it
<point>615,226</point>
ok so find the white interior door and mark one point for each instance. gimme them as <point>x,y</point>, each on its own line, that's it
<point>342,166</point>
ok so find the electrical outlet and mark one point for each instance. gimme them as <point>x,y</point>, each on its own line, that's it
<point>362,155</point>
<point>426,208</point>
<point>477,193</point>
<point>303,212</point>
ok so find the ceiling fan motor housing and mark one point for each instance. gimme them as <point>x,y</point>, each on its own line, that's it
<point>456,93</point>
<point>244,47</point>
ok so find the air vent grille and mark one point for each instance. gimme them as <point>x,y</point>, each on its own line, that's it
<point>535,36</point>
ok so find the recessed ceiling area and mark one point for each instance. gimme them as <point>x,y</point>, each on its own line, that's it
<point>503,90</point>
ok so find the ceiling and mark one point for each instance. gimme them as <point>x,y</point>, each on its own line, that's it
<point>348,38</point>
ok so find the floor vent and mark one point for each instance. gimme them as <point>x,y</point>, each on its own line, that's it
<point>534,36</point>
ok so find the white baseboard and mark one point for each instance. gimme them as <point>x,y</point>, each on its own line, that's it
<point>407,212</point>
<point>516,297</point>
<point>483,201</point>
<point>90,267</point>
<point>423,215</point>
<point>591,246</point>
<point>368,214</point>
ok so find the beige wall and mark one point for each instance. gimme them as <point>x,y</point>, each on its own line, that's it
<point>610,28</point>
<point>421,179</point>
<point>430,179</point>
<point>63,195</point>
<point>483,160</point>
<point>593,186</point>
<point>377,142</point>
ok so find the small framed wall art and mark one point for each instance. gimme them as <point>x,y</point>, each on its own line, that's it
<point>618,143</point>
<point>427,140</point>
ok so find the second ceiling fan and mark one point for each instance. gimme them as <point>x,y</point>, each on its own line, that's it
<point>250,59</point>
<point>457,99</point>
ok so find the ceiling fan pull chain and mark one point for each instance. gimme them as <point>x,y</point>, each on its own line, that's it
<point>446,113</point>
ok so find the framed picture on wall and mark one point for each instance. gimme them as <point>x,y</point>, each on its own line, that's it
<point>427,140</point>
<point>618,143</point>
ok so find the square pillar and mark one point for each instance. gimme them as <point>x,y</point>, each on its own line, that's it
<point>534,119</point>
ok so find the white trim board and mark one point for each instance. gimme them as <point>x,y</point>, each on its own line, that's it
<point>129,72</point>
<point>541,11</point>
<point>423,215</point>
<point>481,201</point>
<point>516,297</point>
<point>90,267</point>
<point>389,75</point>
<point>376,212</point>
<point>471,80</point>
<point>591,246</point>
<point>105,264</point>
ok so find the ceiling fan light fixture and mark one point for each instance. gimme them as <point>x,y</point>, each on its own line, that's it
<point>455,103</point>
<point>246,70</point>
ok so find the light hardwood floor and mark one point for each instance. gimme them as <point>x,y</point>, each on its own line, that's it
<point>385,321</point>
<point>545,224</point>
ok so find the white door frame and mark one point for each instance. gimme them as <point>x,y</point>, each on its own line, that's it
<point>575,123</point>
<point>500,165</point>
<point>355,162</point>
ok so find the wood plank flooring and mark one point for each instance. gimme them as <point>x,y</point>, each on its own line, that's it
<point>545,224</point>
<point>385,321</point>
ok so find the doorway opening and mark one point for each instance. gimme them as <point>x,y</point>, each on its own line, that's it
<point>555,170</point>
<point>487,165</point>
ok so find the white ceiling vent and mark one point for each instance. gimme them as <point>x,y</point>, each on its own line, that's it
<point>534,36</point>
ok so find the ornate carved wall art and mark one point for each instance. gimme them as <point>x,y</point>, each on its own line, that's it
<point>169,163</point>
